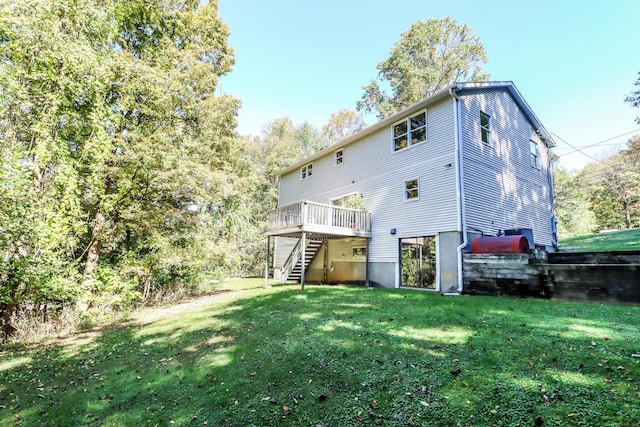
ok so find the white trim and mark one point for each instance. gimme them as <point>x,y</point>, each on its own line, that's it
<point>404,189</point>
<point>308,167</point>
<point>488,129</point>
<point>438,268</point>
<point>534,151</point>
<point>407,121</point>
<point>335,157</point>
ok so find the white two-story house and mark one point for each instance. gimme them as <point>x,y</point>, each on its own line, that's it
<point>399,203</point>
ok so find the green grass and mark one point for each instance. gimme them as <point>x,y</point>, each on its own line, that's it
<point>622,240</point>
<point>336,356</point>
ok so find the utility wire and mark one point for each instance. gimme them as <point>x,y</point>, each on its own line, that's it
<point>575,148</point>
<point>579,149</point>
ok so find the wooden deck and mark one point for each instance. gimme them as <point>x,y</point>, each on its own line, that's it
<point>318,219</point>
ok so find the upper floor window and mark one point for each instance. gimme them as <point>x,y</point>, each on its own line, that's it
<point>410,132</point>
<point>534,154</point>
<point>411,189</point>
<point>306,171</point>
<point>485,127</point>
<point>338,157</point>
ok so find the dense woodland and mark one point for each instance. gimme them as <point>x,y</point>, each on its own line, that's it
<point>123,180</point>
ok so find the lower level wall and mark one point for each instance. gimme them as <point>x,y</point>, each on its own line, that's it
<point>382,274</point>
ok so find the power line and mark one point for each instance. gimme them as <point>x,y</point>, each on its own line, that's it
<point>579,149</point>
<point>575,148</point>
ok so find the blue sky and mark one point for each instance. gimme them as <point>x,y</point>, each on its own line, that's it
<point>573,61</point>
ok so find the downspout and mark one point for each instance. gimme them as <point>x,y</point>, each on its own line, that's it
<point>459,189</point>
<point>554,227</point>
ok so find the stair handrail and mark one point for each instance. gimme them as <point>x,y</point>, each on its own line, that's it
<point>294,258</point>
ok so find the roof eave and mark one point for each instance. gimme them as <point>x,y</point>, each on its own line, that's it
<point>438,96</point>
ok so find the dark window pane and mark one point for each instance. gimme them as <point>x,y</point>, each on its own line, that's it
<point>419,120</point>
<point>400,143</point>
<point>484,120</point>
<point>418,136</point>
<point>400,129</point>
<point>485,135</point>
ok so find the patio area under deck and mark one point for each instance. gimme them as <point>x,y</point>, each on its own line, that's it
<point>307,220</point>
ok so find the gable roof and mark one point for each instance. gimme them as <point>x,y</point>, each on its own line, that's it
<point>518,98</point>
<point>442,94</point>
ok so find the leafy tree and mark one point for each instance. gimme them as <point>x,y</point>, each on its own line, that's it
<point>614,188</point>
<point>113,142</point>
<point>430,56</point>
<point>310,139</point>
<point>572,206</point>
<point>343,124</point>
<point>634,97</point>
<point>169,143</point>
<point>47,69</point>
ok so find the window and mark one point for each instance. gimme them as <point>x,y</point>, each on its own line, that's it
<point>411,189</point>
<point>359,252</point>
<point>535,155</point>
<point>418,267</point>
<point>338,157</point>
<point>306,171</point>
<point>485,127</point>
<point>410,132</point>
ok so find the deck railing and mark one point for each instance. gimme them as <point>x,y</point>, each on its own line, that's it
<point>307,213</point>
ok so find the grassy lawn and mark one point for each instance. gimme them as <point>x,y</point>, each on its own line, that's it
<point>336,356</point>
<point>622,240</point>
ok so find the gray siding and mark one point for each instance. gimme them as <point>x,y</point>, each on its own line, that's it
<point>502,189</point>
<point>372,168</point>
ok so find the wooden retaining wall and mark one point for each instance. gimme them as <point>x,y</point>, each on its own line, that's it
<point>600,276</point>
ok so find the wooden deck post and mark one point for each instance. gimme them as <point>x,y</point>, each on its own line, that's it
<point>302,261</point>
<point>266,264</point>
<point>366,267</point>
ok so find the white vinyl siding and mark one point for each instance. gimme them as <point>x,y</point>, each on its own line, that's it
<point>502,190</point>
<point>380,177</point>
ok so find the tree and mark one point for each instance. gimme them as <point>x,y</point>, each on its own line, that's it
<point>430,56</point>
<point>634,97</point>
<point>571,206</point>
<point>342,124</point>
<point>169,142</point>
<point>310,139</point>
<point>113,141</point>
<point>614,188</point>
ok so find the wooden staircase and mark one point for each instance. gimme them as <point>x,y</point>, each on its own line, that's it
<point>313,246</point>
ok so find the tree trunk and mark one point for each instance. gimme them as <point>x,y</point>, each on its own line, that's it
<point>8,309</point>
<point>627,215</point>
<point>6,314</point>
<point>93,255</point>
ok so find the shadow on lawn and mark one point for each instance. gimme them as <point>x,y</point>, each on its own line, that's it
<point>341,356</point>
